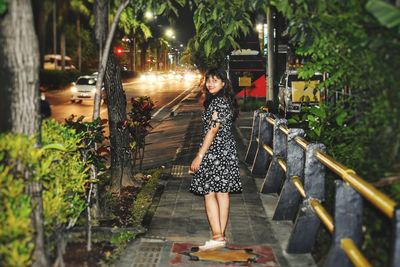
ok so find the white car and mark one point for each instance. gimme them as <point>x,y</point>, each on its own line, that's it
<point>84,89</point>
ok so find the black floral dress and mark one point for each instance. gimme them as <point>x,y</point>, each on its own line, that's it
<point>219,169</point>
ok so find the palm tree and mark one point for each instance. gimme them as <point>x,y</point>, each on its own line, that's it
<point>81,8</point>
<point>136,31</point>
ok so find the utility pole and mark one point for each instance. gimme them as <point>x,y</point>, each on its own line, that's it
<point>271,55</point>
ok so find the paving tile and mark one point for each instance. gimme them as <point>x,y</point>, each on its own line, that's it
<point>180,217</point>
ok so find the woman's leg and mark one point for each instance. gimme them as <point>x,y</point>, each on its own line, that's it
<point>223,205</point>
<point>213,216</point>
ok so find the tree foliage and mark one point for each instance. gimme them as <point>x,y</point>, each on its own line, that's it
<point>58,165</point>
<point>357,45</point>
<point>218,26</point>
<point>3,6</point>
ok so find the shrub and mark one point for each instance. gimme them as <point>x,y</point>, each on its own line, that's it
<point>15,207</point>
<point>144,199</point>
<point>56,79</point>
<point>64,197</point>
<point>59,168</point>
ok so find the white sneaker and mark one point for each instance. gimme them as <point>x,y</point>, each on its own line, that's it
<point>212,244</point>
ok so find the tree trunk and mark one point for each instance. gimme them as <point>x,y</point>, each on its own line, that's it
<point>19,70</point>
<point>40,26</point>
<point>121,155</point>
<point>158,52</point>
<point>19,93</point>
<point>104,58</point>
<point>101,24</point>
<point>131,54</point>
<point>143,52</point>
<point>134,54</point>
<point>54,26</point>
<point>79,48</point>
<point>62,47</point>
<point>34,189</point>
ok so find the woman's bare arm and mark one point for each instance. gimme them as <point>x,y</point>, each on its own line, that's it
<point>208,139</point>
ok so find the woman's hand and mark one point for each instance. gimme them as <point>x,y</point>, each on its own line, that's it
<point>194,167</point>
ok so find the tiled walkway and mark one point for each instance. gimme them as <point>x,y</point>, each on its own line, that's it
<point>180,221</point>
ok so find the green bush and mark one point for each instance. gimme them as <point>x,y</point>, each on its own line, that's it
<point>64,197</point>
<point>56,79</point>
<point>144,199</point>
<point>59,168</point>
<point>15,207</point>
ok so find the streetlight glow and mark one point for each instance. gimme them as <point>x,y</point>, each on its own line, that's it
<point>169,33</point>
<point>148,14</point>
<point>259,27</point>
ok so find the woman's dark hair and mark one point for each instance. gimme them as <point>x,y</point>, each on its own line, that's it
<point>226,91</point>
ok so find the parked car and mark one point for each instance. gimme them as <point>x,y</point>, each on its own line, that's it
<point>53,62</point>
<point>84,89</point>
<point>295,92</point>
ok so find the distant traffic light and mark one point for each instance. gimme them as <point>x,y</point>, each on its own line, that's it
<point>118,51</point>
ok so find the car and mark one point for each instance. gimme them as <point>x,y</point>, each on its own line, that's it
<point>53,62</point>
<point>294,92</point>
<point>84,89</point>
<point>153,77</point>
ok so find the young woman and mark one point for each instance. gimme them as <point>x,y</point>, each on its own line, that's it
<point>216,167</point>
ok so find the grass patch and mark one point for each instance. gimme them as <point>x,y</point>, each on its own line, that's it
<point>144,198</point>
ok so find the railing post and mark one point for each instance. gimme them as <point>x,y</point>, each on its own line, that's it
<point>262,158</point>
<point>288,203</point>
<point>395,253</point>
<point>305,229</point>
<point>273,179</point>
<point>252,148</point>
<point>347,222</point>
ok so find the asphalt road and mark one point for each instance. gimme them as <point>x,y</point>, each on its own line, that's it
<point>165,94</point>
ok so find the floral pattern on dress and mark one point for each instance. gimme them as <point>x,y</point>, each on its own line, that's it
<point>219,168</point>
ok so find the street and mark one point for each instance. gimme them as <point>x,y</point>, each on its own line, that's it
<point>165,94</point>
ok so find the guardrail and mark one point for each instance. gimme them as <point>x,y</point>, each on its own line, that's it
<point>296,169</point>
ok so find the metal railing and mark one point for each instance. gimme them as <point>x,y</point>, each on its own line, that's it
<point>296,169</point>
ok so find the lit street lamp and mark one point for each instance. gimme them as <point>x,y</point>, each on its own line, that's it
<point>148,15</point>
<point>169,33</point>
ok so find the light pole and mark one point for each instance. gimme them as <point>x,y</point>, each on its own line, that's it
<point>170,33</point>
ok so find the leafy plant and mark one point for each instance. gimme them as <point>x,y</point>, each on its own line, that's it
<point>122,238</point>
<point>384,12</point>
<point>91,139</point>
<point>360,54</point>
<point>139,125</point>
<point>3,6</point>
<point>144,199</point>
<point>15,206</point>
<point>64,197</point>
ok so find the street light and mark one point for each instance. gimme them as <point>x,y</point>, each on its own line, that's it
<point>259,27</point>
<point>148,15</point>
<point>169,33</point>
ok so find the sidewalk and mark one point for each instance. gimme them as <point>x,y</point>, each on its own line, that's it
<point>180,222</point>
